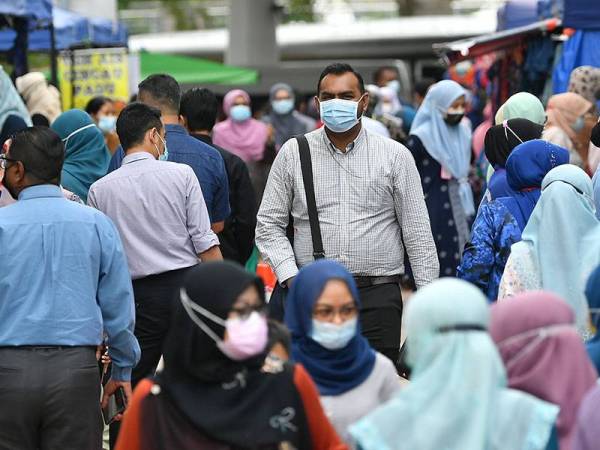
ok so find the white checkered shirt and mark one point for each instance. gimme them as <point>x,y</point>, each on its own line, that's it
<point>369,201</point>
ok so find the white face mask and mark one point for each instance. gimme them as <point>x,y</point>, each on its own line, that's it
<point>538,335</point>
<point>78,130</point>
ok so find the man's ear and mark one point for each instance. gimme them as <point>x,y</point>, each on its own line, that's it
<point>318,104</point>
<point>365,103</point>
<point>183,121</point>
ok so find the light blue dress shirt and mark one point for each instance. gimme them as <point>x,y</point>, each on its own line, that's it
<point>64,278</point>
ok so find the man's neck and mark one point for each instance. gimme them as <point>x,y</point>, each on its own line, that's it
<point>140,149</point>
<point>200,132</point>
<point>343,140</point>
<point>170,119</point>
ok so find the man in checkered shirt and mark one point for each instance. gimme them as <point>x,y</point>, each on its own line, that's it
<point>370,204</point>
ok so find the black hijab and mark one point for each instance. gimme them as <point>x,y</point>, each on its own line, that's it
<point>596,135</point>
<point>500,141</point>
<point>227,401</point>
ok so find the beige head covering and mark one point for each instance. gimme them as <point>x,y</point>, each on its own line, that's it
<point>564,109</point>
<point>39,96</point>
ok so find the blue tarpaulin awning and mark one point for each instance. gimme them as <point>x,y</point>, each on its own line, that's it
<point>71,30</point>
<point>37,10</point>
<point>582,14</point>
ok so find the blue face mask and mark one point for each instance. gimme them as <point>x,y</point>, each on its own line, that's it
<point>282,107</point>
<point>578,124</point>
<point>332,336</point>
<point>107,123</point>
<point>339,115</point>
<point>240,113</point>
<point>164,156</point>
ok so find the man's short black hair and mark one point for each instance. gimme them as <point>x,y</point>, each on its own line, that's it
<point>95,104</point>
<point>200,107</point>
<point>41,151</point>
<point>133,122</point>
<point>379,72</point>
<point>340,69</point>
<point>164,89</point>
<point>422,86</point>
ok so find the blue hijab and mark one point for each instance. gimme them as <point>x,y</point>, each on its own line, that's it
<point>448,145</point>
<point>86,154</point>
<point>526,168</point>
<point>592,292</point>
<point>333,371</point>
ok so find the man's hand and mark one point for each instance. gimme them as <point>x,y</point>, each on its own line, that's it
<point>111,387</point>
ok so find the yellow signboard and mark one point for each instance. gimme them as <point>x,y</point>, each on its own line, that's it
<point>98,71</point>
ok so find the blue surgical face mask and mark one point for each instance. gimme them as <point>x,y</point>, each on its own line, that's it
<point>578,124</point>
<point>164,156</point>
<point>333,336</point>
<point>107,123</point>
<point>395,85</point>
<point>240,113</point>
<point>283,106</point>
<point>339,115</point>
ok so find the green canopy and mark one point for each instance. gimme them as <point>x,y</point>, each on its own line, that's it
<point>189,70</point>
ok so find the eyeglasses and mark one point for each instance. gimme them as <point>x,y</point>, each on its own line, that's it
<point>4,160</point>
<point>243,312</point>
<point>327,314</point>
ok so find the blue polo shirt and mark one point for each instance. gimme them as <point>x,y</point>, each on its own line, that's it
<point>206,162</point>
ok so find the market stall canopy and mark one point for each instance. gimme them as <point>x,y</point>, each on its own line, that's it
<point>582,14</point>
<point>517,13</point>
<point>71,30</point>
<point>36,10</point>
<point>189,70</point>
<point>463,49</point>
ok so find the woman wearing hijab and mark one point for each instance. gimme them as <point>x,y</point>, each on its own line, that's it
<point>42,99</point>
<point>587,432</point>
<point>11,103</point>
<point>245,137</point>
<point>585,81</point>
<point>522,105</point>
<point>499,223</point>
<point>322,314</point>
<point>592,293</point>
<point>240,133</point>
<point>544,355</point>
<point>457,397</point>
<point>212,393</point>
<point>570,122</point>
<point>285,120</point>
<point>86,154</point>
<point>441,144</point>
<point>500,140</point>
<point>560,244</point>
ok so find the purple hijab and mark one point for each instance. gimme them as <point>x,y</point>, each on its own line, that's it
<point>245,139</point>
<point>543,354</point>
<point>587,434</point>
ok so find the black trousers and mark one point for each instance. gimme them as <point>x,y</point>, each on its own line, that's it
<point>380,316</point>
<point>49,399</point>
<point>155,297</point>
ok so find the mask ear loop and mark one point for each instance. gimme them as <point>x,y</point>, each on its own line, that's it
<point>191,307</point>
<point>506,127</point>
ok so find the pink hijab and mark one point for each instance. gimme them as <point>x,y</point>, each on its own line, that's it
<point>245,139</point>
<point>564,109</point>
<point>543,354</point>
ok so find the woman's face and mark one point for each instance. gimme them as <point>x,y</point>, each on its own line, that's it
<point>336,304</point>
<point>240,100</point>
<point>247,302</point>
<point>459,103</point>
<point>107,109</point>
<point>282,94</point>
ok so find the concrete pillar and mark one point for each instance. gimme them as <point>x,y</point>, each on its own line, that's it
<point>252,39</point>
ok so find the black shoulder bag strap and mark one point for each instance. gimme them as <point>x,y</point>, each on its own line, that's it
<point>309,188</point>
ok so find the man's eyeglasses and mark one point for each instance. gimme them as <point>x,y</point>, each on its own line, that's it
<point>4,160</point>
